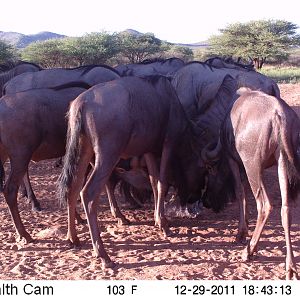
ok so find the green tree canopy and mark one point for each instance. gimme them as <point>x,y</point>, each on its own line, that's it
<point>138,47</point>
<point>48,54</point>
<point>182,52</point>
<point>92,48</point>
<point>7,52</point>
<point>258,40</point>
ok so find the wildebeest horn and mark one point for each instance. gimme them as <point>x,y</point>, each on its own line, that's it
<point>211,155</point>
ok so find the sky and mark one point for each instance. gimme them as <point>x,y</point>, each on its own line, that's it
<point>184,21</point>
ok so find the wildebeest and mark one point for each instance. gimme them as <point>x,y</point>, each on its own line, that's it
<point>15,69</point>
<point>126,117</point>
<point>228,62</point>
<point>91,74</point>
<point>246,76</point>
<point>32,127</point>
<point>158,66</point>
<point>261,131</point>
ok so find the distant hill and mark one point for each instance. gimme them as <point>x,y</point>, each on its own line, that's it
<point>193,45</point>
<point>20,40</point>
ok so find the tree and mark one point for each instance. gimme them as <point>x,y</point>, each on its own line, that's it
<point>258,40</point>
<point>184,53</point>
<point>7,52</point>
<point>92,48</point>
<point>48,54</point>
<point>137,47</point>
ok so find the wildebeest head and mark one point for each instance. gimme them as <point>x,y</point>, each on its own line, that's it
<point>220,182</point>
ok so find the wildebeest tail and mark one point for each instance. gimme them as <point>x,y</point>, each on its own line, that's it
<point>71,158</point>
<point>2,176</point>
<point>290,149</point>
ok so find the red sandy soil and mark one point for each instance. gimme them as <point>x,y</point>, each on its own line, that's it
<point>200,248</point>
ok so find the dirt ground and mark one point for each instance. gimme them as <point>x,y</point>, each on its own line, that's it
<point>199,248</point>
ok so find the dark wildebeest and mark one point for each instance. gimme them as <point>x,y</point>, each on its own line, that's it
<point>261,131</point>
<point>197,85</point>
<point>246,76</point>
<point>15,69</point>
<point>229,63</point>
<point>32,127</point>
<point>92,74</point>
<point>158,66</point>
<point>126,117</point>
<point>39,134</point>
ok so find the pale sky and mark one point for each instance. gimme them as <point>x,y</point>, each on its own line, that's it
<point>185,21</point>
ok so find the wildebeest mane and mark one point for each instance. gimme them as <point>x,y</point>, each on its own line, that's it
<point>11,64</point>
<point>212,68</point>
<point>85,69</point>
<point>158,59</point>
<point>213,113</point>
<point>73,84</point>
<point>230,61</point>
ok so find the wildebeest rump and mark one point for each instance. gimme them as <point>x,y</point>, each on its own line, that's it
<point>15,69</point>
<point>261,131</point>
<point>91,74</point>
<point>118,119</point>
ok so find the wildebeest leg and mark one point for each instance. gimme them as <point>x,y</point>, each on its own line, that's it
<point>22,190</point>
<point>291,271</point>
<point>263,204</point>
<point>153,176</point>
<point>240,195</point>
<point>30,194</point>
<point>114,208</point>
<point>89,196</point>
<point>86,155</point>
<point>162,189</point>
<point>18,169</point>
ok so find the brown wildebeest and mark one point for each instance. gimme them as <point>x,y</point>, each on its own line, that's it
<point>15,69</point>
<point>261,131</point>
<point>126,117</point>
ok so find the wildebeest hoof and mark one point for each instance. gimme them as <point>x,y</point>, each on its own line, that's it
<point>123,221</point>
<point>241,239</point>
<point>291,274</point>
<point>246,254</point>
<point>26,239</point>
<point>108,265</point>
<point>74,245</point>
<point>37,208</point>
<point>80,220</point>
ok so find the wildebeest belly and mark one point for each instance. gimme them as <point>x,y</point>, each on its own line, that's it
<point>139,144</point>
<point>48,151</point>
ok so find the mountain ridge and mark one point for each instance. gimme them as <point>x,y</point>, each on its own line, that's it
<point>20,40</point>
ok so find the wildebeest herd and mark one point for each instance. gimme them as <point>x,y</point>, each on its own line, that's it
<point>204,128</point>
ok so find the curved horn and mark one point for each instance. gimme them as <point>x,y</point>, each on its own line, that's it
<point>211,155</point>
